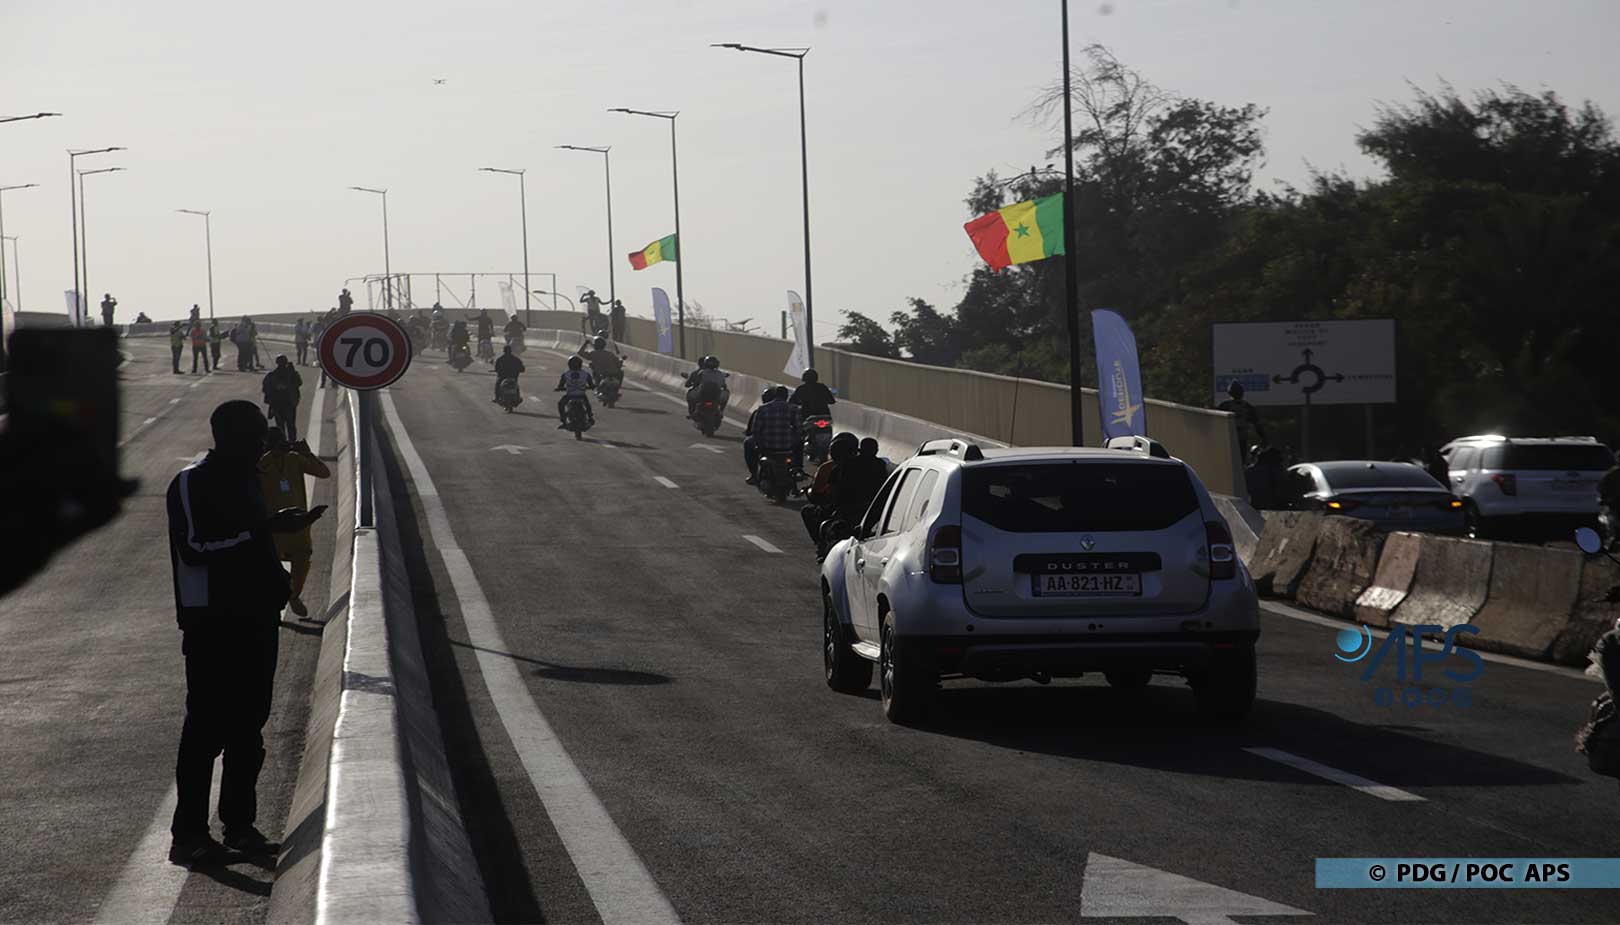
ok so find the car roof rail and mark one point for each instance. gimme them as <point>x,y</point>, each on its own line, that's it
<point>1133,443</point>
<point>951,446</point>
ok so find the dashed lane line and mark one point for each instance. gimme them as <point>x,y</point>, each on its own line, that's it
<point>619,884</point>
<point>761,542</point>
<point>665,482</point>
<point>1353,781</point>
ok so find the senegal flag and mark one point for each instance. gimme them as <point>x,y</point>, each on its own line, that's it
<point>656,252</point>
<point>1022,232</point>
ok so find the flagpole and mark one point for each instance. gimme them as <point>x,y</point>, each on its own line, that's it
<point>1071,278</point>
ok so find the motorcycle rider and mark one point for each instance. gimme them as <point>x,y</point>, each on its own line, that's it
<point>822,500</point>
<point>576,385</point>
<point>812,396</point>
<point>438,324</point>
<point>514,330</point>
<point>854,484</point>
<point>486,329</point>
<point>458,336</point>
<point>507,366</point>
<point>773,428</point>
<point>605,364</point>
<point>707,383</point>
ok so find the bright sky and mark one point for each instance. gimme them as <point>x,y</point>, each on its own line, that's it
<point>267,113</point>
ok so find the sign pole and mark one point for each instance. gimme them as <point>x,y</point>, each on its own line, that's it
<point>1071,271</point>
<point>364,457</point>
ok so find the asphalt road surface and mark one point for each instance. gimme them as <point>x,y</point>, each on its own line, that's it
<point>664,622</point>
<point>649,627</point>
<point>92,691</point>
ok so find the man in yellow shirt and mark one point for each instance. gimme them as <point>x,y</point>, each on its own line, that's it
<point>281,474</point>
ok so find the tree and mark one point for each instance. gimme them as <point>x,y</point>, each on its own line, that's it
<point>861,334</point>
<point>925,335</point>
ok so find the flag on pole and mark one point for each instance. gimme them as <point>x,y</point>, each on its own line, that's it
<point>1020,233</point>
<point>798,360</point>
<point>1119,377</point>
<point>657,252</point>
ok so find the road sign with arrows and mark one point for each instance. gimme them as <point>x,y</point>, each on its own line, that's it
<point>1307,362</point>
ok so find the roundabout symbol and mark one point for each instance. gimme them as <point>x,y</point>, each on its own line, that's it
<point>1311,371</point>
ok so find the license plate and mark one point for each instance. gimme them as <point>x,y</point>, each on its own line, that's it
<point>1400,513</point>
<point>1573,485</point>
<point>1117,583</point>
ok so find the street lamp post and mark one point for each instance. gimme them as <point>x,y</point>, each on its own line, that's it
<point>16,264</point>
<point>554,294</point>
<point>73,203</point>
<point>804,178</point>
<point>680,242</point>
<point>3,190</point>
<point>1071,277</point>
<point>84,239</point>
<point>608,172</point>
<point>208,239</point>
<point>37,115</point>
<point>388,270</point>
<point>523,208</point>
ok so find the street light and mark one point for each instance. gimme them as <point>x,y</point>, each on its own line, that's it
<point>804,177</point>
<point>607,167</point>
<point>388,271</point>
<point>554,294</point>
<point>37,115</point>
<point>523,207</point>
<point>16,263</point>
<point>84,239</point>
<point>73,203</point>
<point>3,190</point>
<point>208,238</point>
<point>680,242</point>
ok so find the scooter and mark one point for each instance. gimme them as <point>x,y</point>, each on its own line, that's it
<point>576,416</point>
<point>507,395</point>
<point>607,389</point>
<point>776,476</point>
<point>707,417</point>
<point>818,434</point>
<point>460,358</point>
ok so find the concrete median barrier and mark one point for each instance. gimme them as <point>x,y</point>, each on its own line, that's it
<point>1392,581</point>
<point>1532,596</point>
<point>1450,583</point>
<point>1591,616</point>
<point>1342,567</point>
<point>1244,521</point>
<point>1283,551</point>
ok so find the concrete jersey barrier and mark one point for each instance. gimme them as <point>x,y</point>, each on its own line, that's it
<point>1342,567</point>
<point>1450,583</point>
<point>1532,595</point>
<point>1591,616</point>
<point>1392,582</point>
<point>1283,551</point>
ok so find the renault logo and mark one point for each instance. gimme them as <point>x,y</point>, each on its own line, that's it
<point>1087,543</point>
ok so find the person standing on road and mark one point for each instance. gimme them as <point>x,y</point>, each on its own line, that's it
<point>229,589</point>
<point>254,363</point>
<point>1248,420</point>
<point>281,475</point>
<point>108,303</point>
<point>616,318</point>
<point>213,340</point>
<point>301,340</point>
<point>281,387</point>
<point>177,343</point>
<point>345,302</point>
<point>199,347</point>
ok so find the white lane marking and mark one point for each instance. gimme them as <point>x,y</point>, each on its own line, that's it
<point>761,543</point>
<point>1353,781</point>
<point>509,448</point>
<point>148,421</point>
<point>617,880</point>
<point>1115,888</point>
<point>176,401</point>
<point>149,885</point>
<point>665,482</point>
<point>312,436</point>
<point>708,446</point>
<point>1279,609</point>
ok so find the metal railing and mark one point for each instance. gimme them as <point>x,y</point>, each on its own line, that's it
<point>460,289</point>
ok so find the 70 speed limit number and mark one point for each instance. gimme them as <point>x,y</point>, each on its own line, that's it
<point>364,351</point>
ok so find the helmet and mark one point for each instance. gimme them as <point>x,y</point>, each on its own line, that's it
<point>575,362</point>
<point>601,343</point>
<point>711,362</point>
<point>768,394</point>
<point>811,376</point>
<point>781,392</point>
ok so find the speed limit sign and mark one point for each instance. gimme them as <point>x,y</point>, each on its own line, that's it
<point>364,351</point>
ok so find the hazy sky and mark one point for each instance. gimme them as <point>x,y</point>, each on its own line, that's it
<point>266,113</point>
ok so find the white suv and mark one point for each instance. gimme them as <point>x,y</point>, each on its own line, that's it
<point>1548,484</point>
<point>1039,563</point>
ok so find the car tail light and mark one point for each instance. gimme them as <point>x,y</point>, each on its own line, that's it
<point>1338,505</point>
<point>945,555</point>
<point>1222,555</point>
<point>822,423</point>
<point>1507,481</point>
<point>1451,504</point>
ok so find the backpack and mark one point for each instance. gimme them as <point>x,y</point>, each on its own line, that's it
<point>1599,739</point>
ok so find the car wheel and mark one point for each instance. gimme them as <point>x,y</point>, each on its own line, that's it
<point>847,673</point>
<point>1129,678</point>
<point>1225,688</point>
<point>906,681</point>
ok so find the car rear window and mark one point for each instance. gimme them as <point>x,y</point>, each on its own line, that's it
<point>1065,497</point>
<point>1562,456</point>
<point>1381,475</point>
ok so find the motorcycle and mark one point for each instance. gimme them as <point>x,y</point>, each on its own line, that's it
<point>576,416</point>
<point>515,341</point>
<point>507,395</point>
<point>776,476</point>
<point>818,434</point>
<point>460,358</point>
<point>607,389</point>
<point>486,350</point>
<point>707,417</point>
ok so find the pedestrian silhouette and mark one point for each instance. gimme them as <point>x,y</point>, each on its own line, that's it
<point>281,387</point>
<point>281,476</point>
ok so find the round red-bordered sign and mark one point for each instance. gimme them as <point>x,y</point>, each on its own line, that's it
<point>364,351</point>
